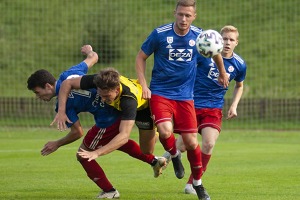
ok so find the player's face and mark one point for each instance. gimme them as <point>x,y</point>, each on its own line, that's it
<point>230,42</point>
<point>108,96</point>
<point>45,94</point>
<point>184,16</point>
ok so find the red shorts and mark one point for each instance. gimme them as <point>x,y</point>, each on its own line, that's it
<point>97,137</point>
<point>209,117</point>
<point>182,113</point>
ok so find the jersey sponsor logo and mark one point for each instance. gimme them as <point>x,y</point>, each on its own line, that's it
<point>180,54</point>
<point>213,72</point>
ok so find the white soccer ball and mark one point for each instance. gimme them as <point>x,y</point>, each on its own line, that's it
<point>209,43</point>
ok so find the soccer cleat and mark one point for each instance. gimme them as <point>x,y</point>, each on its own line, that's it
<point>168,158</point>
<point>157,168</point>
<point>177,165</point>
<point>189,189</point>
<point>109,195</point>
<point>201,192</point>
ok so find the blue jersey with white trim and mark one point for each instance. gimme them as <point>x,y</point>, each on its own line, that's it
<point>174,70</point>
<point>208,93</point>
<point>86,100</point>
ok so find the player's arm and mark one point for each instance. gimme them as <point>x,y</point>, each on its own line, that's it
<point>237,94</point>
<point>127,122</point>
<point>91,56</point>
<point>140,67</point>
<point>75,133</point>
<point>64,91</point>
<point>223,78</point>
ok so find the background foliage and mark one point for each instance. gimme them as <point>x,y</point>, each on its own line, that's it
<point>38,34</point>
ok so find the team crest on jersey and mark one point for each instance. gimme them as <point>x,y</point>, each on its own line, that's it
<point>169,41</point>
<point>192,43</point>
<point>230,68</point>
<point>180,54</point>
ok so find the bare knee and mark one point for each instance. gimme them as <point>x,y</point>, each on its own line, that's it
<point>207,146</point>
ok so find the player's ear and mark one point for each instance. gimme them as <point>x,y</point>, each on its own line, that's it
<point>47,86</point>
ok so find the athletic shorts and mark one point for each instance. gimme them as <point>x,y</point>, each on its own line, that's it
<point>143,119</point>
<point>97,137</point>
<point>182,113</point>
<point>209,117</point>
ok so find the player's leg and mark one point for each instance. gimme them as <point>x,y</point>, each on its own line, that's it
<point>209,138</point>
<point>147,132</point>
<point>133,149</point>
<point>186,124</point>
<point>147,140</point>
<point>94,170</point>
<point>162,112</point>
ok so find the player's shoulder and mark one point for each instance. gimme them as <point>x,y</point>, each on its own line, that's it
<point>196,29</point>
<point>164,28</point>
<point>238,58</point>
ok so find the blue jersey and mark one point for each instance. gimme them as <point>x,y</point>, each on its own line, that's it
<point>174,70</point>
<point>86,100</point>
<point>208,93</point>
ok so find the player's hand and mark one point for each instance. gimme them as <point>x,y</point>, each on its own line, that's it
<point>49,147</point>
<point>223,80</point>
<point>85,49</point>
<point>60,119</point>
<point>231,113</point>
<point>90,155</point>
<point>146,93</point>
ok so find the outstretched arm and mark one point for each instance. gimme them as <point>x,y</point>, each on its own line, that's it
<point>140,67</point>
<point>237,94</point>
<point>118,141</point>
<point>223,78</point>
<point>75,133</point>
<point>91,56</point>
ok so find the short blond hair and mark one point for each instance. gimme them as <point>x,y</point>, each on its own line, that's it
<point>186,3</point>
<point>230,28</point>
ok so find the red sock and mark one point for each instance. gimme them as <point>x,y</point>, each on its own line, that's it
<point>194,157</point>
<point>169,144</point>
<point>96,174</point>
<point>190,181</point>
<point>134,150</point>
<point>205,160</point>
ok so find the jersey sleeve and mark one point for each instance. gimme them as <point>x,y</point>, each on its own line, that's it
<point>129,108</point>
<point>149,45</point>
<point>71,114</point>
<point>87,82</point>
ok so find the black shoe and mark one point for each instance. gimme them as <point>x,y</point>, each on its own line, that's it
<point>201,192</point>
<point>178,167</point>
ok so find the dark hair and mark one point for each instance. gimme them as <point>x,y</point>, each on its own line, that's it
<point>39,79</point>
<point>107,79</point>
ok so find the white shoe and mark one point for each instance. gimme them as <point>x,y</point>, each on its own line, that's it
<point>158,167</point>
<point>189,189</point>
<point>168,158</point>
<point>109,195</point>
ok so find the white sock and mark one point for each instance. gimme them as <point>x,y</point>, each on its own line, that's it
<point>197,182</point>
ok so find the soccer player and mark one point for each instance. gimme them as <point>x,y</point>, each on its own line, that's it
<point>122,93</point>
<point>107,119</point>
<point>209,96</point>
<point>171,86</point>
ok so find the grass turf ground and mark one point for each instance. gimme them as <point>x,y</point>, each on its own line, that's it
<point>246,165</point>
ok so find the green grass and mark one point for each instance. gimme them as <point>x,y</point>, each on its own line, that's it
<point>246,165</point>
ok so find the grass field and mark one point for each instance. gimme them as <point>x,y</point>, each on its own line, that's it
<point>246,165</point>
